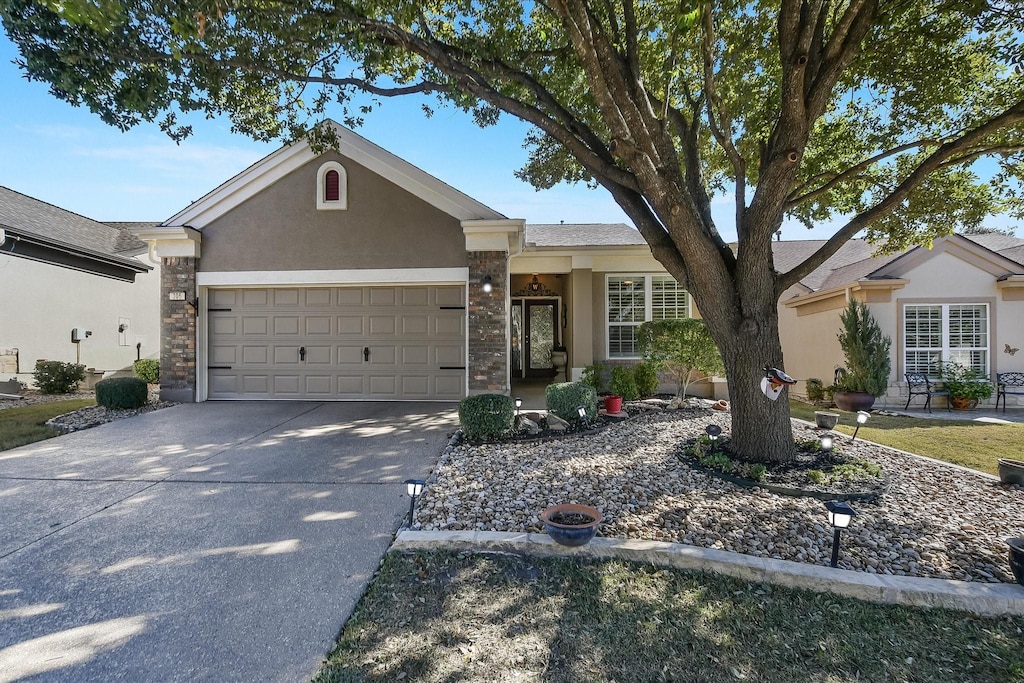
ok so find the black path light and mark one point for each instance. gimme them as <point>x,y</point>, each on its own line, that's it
<point>713,431</point>
<point>862,418</point>
<point>582,412</point>
<point>839,516</point>
<point>414,487</point>
<point>519,404</point>
<point>826,442</point>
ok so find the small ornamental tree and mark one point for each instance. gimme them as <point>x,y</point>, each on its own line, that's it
<point>681,346</point>
<point>866,350</point>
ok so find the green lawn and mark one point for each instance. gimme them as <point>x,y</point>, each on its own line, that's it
<point>977,445</point>
<point>20,426</point>
<point>482,618</point>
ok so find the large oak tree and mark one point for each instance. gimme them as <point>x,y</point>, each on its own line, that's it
<point>901,118</point>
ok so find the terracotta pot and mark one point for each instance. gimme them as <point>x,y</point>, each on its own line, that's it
<point>613,404</point>
<point>1017,558</point>
<point>571,534</point>
<point>852,401</point>
<point>1011,471</point>
<point>958,403</point>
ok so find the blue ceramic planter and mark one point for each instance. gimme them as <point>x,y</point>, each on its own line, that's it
<point>571,534</point>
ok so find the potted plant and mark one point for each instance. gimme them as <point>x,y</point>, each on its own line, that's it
<point>570,524</point>
<point>623,389</point>
<point>867,359</point>
<point>966,386</point>
<point>1011,471</point>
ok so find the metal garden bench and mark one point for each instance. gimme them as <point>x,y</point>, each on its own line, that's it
<point>920,385</point>
<point>1008,383</point>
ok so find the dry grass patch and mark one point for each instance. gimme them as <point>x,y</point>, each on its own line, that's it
<point>486,618</point>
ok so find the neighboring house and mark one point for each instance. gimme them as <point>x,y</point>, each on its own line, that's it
<point>354,275</point>
<point>59,272</point>
<point>961,301</point>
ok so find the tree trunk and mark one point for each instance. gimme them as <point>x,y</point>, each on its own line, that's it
<point>761,429</point>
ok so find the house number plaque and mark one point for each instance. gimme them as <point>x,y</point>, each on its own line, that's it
<point>176,296</point>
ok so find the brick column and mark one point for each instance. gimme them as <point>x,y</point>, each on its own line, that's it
<point>488,323</point>
<point>178,330</point>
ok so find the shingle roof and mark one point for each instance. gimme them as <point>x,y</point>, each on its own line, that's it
<point>582,235</point>
<point>20,212</point>
<point>127,242</point>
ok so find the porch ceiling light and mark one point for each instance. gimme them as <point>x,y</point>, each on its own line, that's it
<point>488,284</point>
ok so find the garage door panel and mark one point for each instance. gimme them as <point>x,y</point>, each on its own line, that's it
<point>254,355</point>
<point>318,355</point>
<point>255,297</point>
<point>223,355</point>
<point>410,338</point>
<point>318,385</point>
<point>255,325</point>
<point>382,325</point>
<point>318,325</point>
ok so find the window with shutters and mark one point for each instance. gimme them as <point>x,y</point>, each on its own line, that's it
<point>939,333</point>
<point>331,187</point>
<point>635,299</point>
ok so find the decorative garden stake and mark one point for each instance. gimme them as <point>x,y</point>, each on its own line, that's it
<point>839,516</point>
<point>862,417</point>
<point>414,487</point>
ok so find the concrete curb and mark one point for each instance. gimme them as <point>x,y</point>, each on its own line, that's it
<point>984,599</point>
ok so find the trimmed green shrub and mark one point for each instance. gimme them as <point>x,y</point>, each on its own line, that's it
<point>592,376</point>
<point>55,377</point>
<point>646,377</point>
<point>682,346</point>
<point>815,389</point>
<point>624,383</point>
<point>122,392</point>
<point>486,416</point>
<point>562,399</point>
<point>148,370</point>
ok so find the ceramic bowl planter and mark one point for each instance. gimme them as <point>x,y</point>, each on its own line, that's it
<point>825,420</point>
<point>961,403</point>
<point>1017,558</point>
<point>1011,471</point>
<point>853,401</point>
<point>570,524</point>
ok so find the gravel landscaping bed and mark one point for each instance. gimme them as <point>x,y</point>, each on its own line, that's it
<point>33,398</point>
<point>935,521</point>
<point>93,416</point>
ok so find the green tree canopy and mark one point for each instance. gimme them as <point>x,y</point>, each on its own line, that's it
<point>901,118</point>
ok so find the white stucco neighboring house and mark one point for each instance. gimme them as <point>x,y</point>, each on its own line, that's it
<point>59,272</point>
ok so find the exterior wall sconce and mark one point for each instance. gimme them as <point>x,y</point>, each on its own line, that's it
<point>839,516</point>
<point>488,285</point>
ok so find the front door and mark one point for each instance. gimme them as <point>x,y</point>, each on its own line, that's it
<point>540,337</point>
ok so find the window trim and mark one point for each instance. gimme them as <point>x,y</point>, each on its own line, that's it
<point>945,302</point>
<point>648,307</point>
<point>321,187</point>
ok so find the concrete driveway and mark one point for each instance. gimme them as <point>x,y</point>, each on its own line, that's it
<point>214,541</point>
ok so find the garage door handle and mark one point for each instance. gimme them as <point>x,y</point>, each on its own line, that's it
<point>302,353</point>
<point>366,353</point>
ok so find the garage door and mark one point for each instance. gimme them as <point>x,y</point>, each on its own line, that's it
<point>388,343</point>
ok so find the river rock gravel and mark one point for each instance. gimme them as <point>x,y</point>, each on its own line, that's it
<point>935,521</point>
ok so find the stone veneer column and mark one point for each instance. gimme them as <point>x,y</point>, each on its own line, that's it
<point>488,323</point>
<point>178,330</point>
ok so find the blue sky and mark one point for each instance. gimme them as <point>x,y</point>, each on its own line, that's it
<point>68,157</point>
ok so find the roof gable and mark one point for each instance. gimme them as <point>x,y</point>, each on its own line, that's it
<point>959,246</point>
<point>277,165</point>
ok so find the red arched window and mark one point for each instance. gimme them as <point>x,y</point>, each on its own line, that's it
<point>332,186</point>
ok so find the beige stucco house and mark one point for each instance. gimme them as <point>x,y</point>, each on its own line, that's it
<point>353,275</point>
<point>59,272</point>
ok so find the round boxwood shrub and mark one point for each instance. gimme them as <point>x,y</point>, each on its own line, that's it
<point>55,377</point>
<point>148,370</point>
<point>486,416</point>
<point>122,392</point>
<point>564,398</point>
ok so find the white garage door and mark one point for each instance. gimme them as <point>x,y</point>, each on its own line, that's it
<point>388,343</point>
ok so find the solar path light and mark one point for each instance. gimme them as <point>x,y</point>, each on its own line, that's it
<point>839,516</point>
